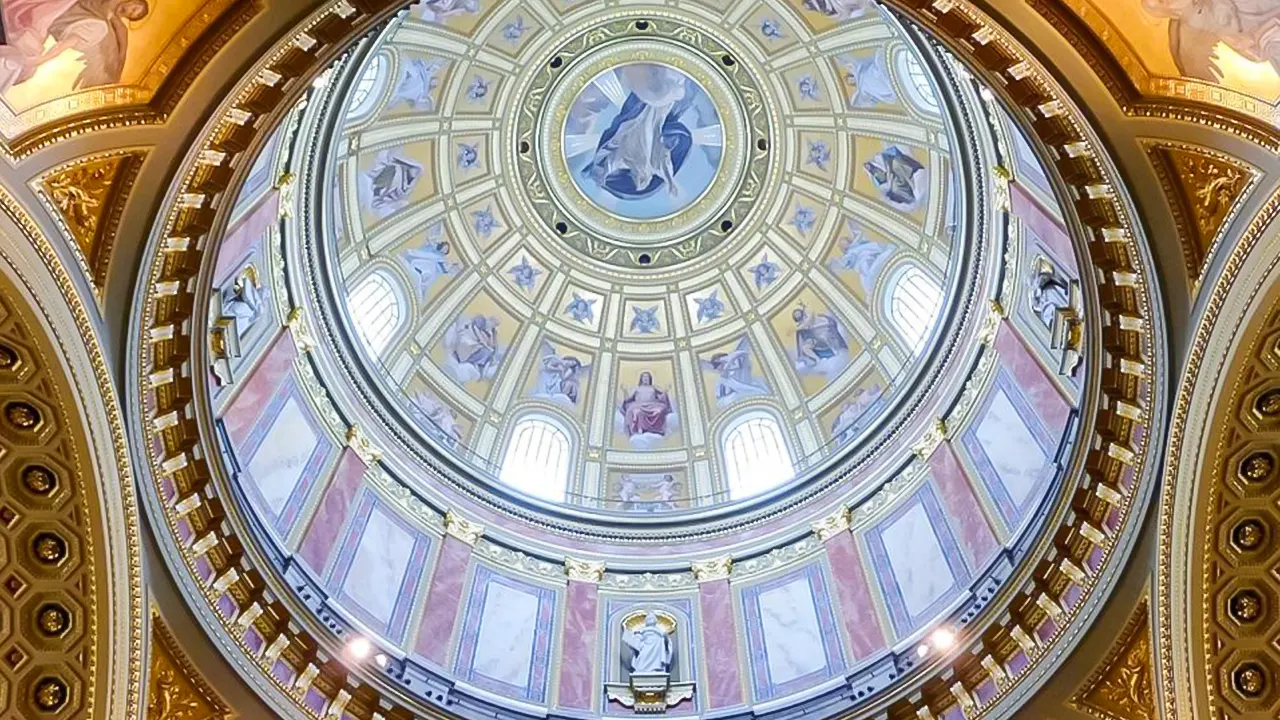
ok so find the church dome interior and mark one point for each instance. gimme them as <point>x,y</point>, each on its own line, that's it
<point>514,359</point>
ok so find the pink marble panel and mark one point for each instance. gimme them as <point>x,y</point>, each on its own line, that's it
<point>259,387</point>
<point>577,657</point>
<point>857,610</point>
<point>443,599</point>
<point>973,532</point>
<point>1053,235</point>
<point>242,236</point>
<point>1033,380</point>
<point>331,514</point>
<point>720,645</point>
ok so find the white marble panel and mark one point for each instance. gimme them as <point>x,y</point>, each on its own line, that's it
<point>1013,451</point>
<point>792,636</point>
<point>378,567</point>
<point>918,562</point>
<point>508,626</point>
<point>277,466</point>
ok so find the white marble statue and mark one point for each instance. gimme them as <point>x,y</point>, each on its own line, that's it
<point>650,645</point>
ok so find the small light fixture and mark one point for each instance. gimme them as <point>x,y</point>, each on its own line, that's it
<point>381,660</point>
<point>922,650</point>
<point>359,648</point>
<point>943,639</point>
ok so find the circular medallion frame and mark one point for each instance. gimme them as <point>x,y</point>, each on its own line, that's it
<point>546,177</point>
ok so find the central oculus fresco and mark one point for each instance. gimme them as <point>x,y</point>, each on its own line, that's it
<point>645,140</point>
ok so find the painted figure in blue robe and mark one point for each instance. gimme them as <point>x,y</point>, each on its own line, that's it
<point>647,143</point>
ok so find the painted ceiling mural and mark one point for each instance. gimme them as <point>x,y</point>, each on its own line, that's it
<point>63,59</point>
<point>1225,52</point>
<point>682,293</point>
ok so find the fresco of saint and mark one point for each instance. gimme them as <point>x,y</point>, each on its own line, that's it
<point>430,262</point>
<point>1250,27</point>
<point>856,413</point>
<point>630,138</point>
<point>560,377</point>
<point>442,420</point>
<point>867,81</point>
<point>820,345</point>
<point>472,348</point>
<point>900,178</point>
<point>388,183</point>
<point>839,9</point>
<point>646,410</point>
<point>734,376</point>
<point>36,31</point>
<point>862,256</point>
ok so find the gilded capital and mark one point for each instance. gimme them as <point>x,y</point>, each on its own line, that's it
<point>363,448</point>
<point>714,569</point>
<point>933,437</point>
<point>583,570</point>
<point>463,529</point>
<point>833,524</point>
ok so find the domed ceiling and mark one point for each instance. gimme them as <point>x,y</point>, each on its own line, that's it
<point>531,318</point>
<point>647,239</point>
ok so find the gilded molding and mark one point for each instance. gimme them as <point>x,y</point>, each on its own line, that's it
<point>1134,329</point>
<point>86,198</point>
<point>1171,650</point>
<point>1206,190</point>
<point>175,689</point>
<point>118,487</point>
<point>1122,686</point>
<point>833,524</point>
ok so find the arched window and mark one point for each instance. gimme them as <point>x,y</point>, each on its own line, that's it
<point>537,460</point>
<point>368,88</point>
<point>376,310</point>
<point>914,301</point>
<point>755,456</point>
<point>913,76</point>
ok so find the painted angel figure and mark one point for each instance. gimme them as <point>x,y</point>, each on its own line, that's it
<point>820,345</point>
<point>36,31</point>
<point>868,81</point>
<point>734,377</point>
<point>444,421</point>
<point>419,79</point>
<point>862,256</point>
<point>839,9</point>
<point>440,10</point>
<point>560,377</point>
<point>650,646</point>
<point>431,261</point>
<point>473,352</point>
<point>1250,27</point>
<point>646,410</point>
<point>855,412</point>
<point>899,177</point>
<point>647,142</point>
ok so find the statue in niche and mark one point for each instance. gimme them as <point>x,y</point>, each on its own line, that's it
<point>647,639</point>
<point>651,646</point>
<point>237,308</point>
<point>1056,302</point>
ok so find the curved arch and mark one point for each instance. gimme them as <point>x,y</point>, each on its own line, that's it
<point>912,299</point>
<point>915,81</point>
<point>755,454</point>
<point>378,309</point>
<point>370,86</point>
<point>538,457</point>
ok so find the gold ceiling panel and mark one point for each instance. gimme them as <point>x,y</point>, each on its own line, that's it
<point>50,612</point>
<point>176,691</point>
<point>1121,687</point>
<point>127,63</point>
<point>1205,189</point>
<point>86,197</point>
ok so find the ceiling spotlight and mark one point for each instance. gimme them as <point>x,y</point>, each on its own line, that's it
<point>943,639</point>
<point>922,650</point>
<point>360,648</point>
<point>381,660</point>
